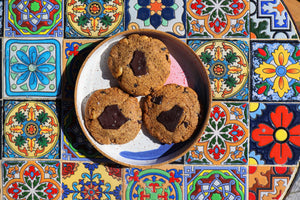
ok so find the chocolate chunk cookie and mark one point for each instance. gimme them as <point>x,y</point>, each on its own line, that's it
<point>171,113</point>
<point>140,63</point>
<point>112,116</point>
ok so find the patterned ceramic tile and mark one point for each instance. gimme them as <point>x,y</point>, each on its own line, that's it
<point>31,180</point>
<point>33,18</point>
<point>1,18</point>
<point>275,132</point>
<point>75,145</point>
<point>267,182</point>
<point>163,15</point>
<point>93,18</point>
<point>275,71</point>
<point>75,53</point>
<point>155,183</point>
<point>225,140</point>
<point>215,182</point>
<point>218,19</point>
<point>227,66</point>
<point>31,130</point>
<point>269,19</point>
<point>32,67</point>
<point>90,181</point>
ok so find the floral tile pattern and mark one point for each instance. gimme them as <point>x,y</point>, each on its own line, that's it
<point>275,71</point>
<point>32,67</point>
<point>267,182</point>
<point>155,183</point>
<point>33,18</point>
<point>31,130</point>
<point>227,66</point>
<point>163,15</point>
<point>31,180</point>
<point>93,18</point>
<point>218,19</point>
<point>215,182</point>
<point>275,132</point>
<point>90,181</point>
<point>225,140</point>
<point>269,19</point>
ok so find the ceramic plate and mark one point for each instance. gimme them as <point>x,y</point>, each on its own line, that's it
<point>186,70</point>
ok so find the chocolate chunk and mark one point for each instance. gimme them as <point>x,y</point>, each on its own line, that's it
<point>164,48</point>
<point>170,118</point>
<point>138,63</point>
<point>157,100</point>
<point>112,117</point>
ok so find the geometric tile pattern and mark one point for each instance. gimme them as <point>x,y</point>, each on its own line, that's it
<point>33,18</point>
<point>269,19</point>
<point>90,181</point>
<point>93,18</point>
<point>154,183</point>
<point>218,19</point>
<point>266,182</point>
<point>225,139</point>
<point>275,71</point>
<point>227,66</point>
<point>31,130</point>
<point>275,132</point>
<point>167,16</point>
<point>32,67</point>
<point>215,182</point>
<point>31,179</point>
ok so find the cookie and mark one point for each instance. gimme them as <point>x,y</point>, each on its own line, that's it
<point>112,116</point>
<point>171,113</point>
<point>141,64</point>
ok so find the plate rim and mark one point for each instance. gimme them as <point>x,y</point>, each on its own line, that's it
<point>143,31</point>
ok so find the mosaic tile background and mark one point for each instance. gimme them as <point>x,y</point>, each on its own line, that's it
<point>250,148</point>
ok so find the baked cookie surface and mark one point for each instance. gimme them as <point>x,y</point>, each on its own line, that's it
<point>112,116</point>
<point>140,63</point>
<point>170,114</point>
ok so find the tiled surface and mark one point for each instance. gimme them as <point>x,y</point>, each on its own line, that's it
<point>227,64</point>
<point>249,150</point>
<point>225,139</point>
<point>90,181</point>
<point>218,19</point>
<point>215,182</point>
<point>33,18</point>
<point>31,130</point>
<point>267,182</point>
<point>31,179</point>
<point>157,183</point>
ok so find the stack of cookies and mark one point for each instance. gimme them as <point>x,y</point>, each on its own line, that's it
<point>141,64</point>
